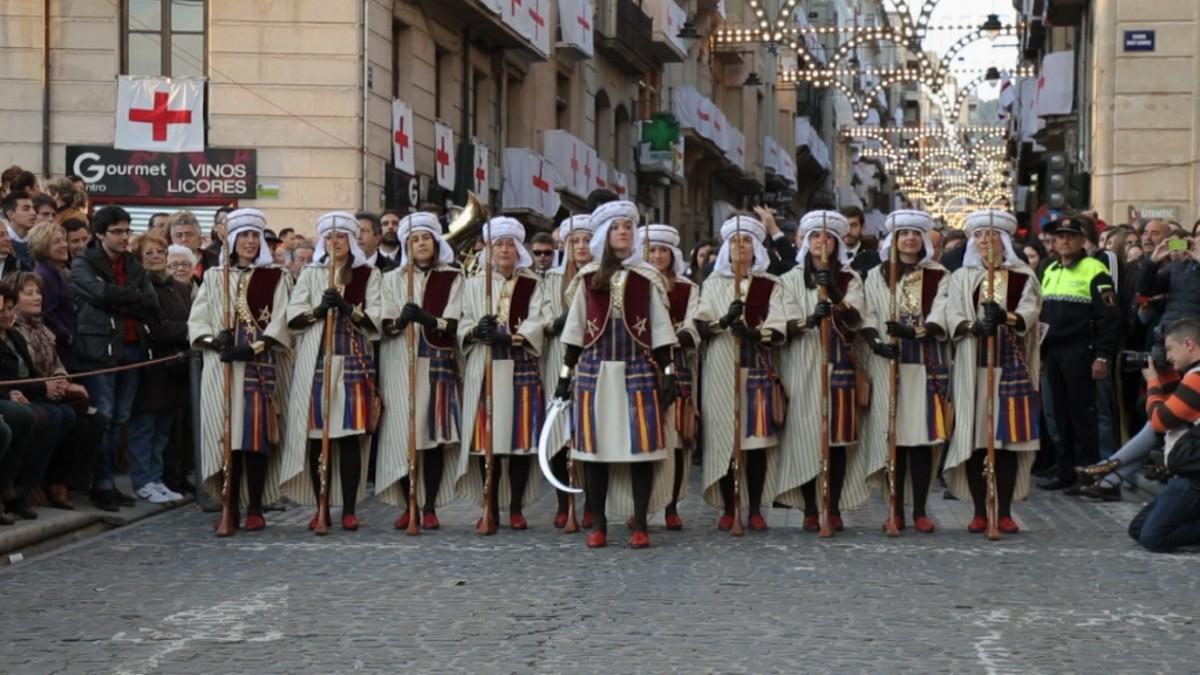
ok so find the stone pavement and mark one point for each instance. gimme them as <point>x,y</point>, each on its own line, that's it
<point>1071,593</point>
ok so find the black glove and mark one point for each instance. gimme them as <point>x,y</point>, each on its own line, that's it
<point>740,329</point>
<point>556,328</point>
<point>824,278</point>
<point>412,312</point>
<point>897,329</point>
<point>668,391</point>
<point>224,340</point>
<point>994,314</point>
<point>331,299</point>
<point>983,327</point>
<point>498,339</point>
<point>485,328</point>
<point>391,328</point>
<point>885,349</point>
<point>237,353</point>
<point>736,309</point>
<point>562,391</point>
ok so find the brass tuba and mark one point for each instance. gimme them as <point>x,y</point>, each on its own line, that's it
<point>465,229</point>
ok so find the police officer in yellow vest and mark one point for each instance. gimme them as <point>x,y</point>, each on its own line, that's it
<point>1079,308</point>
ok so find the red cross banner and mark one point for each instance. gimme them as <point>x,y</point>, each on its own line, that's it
<point>160,114</point>
<point>443,155</point>
<point>575,25</point>
<point>530,183</point>
<point>539,25</point>
<point>402,137</point>
<point>480,177</point>
<point>570,158</point>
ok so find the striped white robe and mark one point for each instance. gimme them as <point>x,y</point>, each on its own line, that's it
<point>692,358</point>
<point>207,318</point>
<point>392,462</point>
<point>313,281</point>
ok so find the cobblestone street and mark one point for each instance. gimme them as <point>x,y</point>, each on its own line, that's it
<point>1071,593</point>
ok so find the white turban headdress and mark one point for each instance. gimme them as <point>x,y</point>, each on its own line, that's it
<point>990,219</point>
<point>566,228</point>
<point>248,220</point>
<point>504,227</point>
<point>665,235</point>
<point>338,221</point>
<point>907,219</point>
<point>748,225</point>
<point>603,217</point>
<point>816,221</point>
<point>423,221</point>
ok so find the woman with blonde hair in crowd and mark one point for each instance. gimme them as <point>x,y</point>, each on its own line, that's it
<point>48,244</point>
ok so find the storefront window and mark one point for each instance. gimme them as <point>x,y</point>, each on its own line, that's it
<point>164,37</point>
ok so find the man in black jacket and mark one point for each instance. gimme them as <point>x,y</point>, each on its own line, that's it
<point>862,259</point>
<point>370,236</point>
<point>114,299</point>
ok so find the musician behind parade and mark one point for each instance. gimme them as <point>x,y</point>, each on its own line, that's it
<point>575,233</point>
<point>618,338</point>
<point>506,332</point>
<point>743,325</point>
<point>904,328</point>
<point>683,304</point>
<point>825,306</point>
<point>257,347</point>
<point>433,310</point>
<point>994,299</point>
<point>338,290</point>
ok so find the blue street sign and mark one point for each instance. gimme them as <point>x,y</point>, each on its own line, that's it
<point>1139,40</point>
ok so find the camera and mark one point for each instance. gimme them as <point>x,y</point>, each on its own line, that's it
<point>1177,245</point>
<point>1134,362</point>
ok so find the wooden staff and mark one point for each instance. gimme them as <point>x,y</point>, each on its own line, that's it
<point>891,526</point>
<point>735,529</point>
<point>227,523</point>
<point>322,526</point>
<point>993,527</point>
<point>414,527</point>
<point>572,525</point>
<point>826,338</point>
<point>486,523</point>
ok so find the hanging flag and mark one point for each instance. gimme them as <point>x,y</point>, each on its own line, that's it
<point>575,25</point>
<point>618,183</point>
<point>1008,96</point>
<point>539,24</point>
<point>402,144</point>
<point>1056,85</point>
<point>160,114</point>
<point>530,183</point>
<point>599,175</point>
<point>569,157</point>
<point>481,176</point>
<point>443,155</point>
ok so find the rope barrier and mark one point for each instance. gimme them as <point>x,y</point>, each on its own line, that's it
<point>101,371</point>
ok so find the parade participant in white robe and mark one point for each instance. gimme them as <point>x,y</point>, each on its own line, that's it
<point>513,328</point>
<point>357,299</point>
<point>258,345</point>
<point>575,233</point>
<point>683,303</point>
<point>618,338</point>
<point>756,315</point>
<point>1010,314</point>
<point>919,342</point>
<point>823,269</point>
<point>434,311</point>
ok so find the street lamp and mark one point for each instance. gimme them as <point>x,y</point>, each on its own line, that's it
<point>992,26</point>
<point>993,74</point>
<point>688,31</point>
<point>752,80</point>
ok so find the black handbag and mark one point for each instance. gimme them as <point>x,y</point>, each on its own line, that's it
<point>1184,458</point>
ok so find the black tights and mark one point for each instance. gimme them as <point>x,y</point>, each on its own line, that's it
<point>350,461</point>
<point>756,479</point>
<point>518,477</point>
<point>254,465</point>
<point>433,463</point>
<point>837,476</point>
<point>1006,481</point>
<point>918,462</point>
<point>595,479</point>
<point>680,458</point>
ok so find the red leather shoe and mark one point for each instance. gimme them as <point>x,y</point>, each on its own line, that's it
<point>400,523</point>
<point>639,540</point>
<point>517,522</point>
<point>923,524</point>
<point>674,522</point>
<point>1008,526</point>
<point>757,522</point>
<point>588,520</point>
<point>560,521</point>
<point>835,523</point>
<point>349,522</point>
<point>978,524</point>
<point>597,539</point>
<point>256,522</point>
<point>430,521</point>
<point>812,524</point>
<point>725,522</point>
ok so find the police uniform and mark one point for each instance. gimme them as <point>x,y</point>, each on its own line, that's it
<point>1082,327</point>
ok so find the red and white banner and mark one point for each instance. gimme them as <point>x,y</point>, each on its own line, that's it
<point>443,155</point>
<point>402,137</point>
<point>530,183</point>
<point>599,178</point>
<point>571,158</point>
<point>516,14</point>
<point>540,28</point>
<point>575,22</point>
<point>618,183</point>
<point>481,174</point>
<point>1056,86</point>
<point>160,114</point>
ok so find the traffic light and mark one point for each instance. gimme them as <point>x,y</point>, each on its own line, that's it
<point>1057,180</point>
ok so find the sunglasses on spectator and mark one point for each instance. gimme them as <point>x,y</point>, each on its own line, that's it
<point>539,253</point>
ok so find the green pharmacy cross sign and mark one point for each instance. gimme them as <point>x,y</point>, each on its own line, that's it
<point>661,132</point>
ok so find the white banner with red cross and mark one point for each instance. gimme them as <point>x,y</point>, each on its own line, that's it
<point>402,137</point>
<point>160,114</point>
<point>575,25</point>
<point>480,174</point>
<point>443,155</point>
<point>530,183</point>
